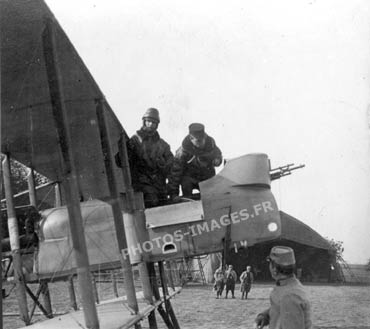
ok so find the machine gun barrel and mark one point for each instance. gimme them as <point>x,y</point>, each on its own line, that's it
<point>283,167</point>
<point>286,170</point>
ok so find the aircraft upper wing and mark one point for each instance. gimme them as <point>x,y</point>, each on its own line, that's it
<point>28,131</point>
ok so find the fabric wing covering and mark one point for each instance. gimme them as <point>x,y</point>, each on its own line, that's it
<point>28,130</point>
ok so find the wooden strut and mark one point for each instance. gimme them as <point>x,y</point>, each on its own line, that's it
<point>31,188</point>
<point>153,281</point>
<point>95,289</point>
<point>151,317</point>
<point>144,313</point>
<point>58,195</point>
<point>134,213</point>
<point>114,283</point>
<point>15,314</point>
<point>44,289</point>
<point>36,188</point>
<point>32,312</point>
<point>140,222</point>
<point>45,294</point>
<point>167,302</point>
<point>72,294</point>
<point>116,208</point>
<point>9,265</point>
<point>14,242</point>
<point>170,277</point>
<point>70,177</point>
<point>36,302</point>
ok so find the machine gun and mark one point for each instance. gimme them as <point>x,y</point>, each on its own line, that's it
<point>286,170</point>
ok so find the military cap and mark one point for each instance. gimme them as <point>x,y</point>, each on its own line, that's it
<point>281,255</point>
<point>196,130</point>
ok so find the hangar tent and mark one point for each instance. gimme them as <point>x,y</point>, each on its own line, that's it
<point>314,255</point>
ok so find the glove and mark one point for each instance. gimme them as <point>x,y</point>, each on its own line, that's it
<point>262,320</point>
<point>175,198</point>
<point>202,163</point>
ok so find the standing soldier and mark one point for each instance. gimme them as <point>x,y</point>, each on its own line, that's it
<point>150,160</point>
<point>290,307</point>
<point>230,277</point>
<point>246,280</point>
<point>219,281</point>
<point>194,161</point>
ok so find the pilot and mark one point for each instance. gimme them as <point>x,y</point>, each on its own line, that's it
<point>290,307</point>
<point>150,160</point>
<point>194,162</point>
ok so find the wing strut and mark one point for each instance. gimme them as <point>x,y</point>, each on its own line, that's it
<point>44,289</point>
<point>116,209</point>
<point>70,183</point>
<point>14,242</point>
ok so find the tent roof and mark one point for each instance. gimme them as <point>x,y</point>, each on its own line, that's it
<point>294,230</point>
<point>28,131</point>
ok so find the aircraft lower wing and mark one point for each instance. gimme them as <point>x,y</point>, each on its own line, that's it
<point>112,314</point>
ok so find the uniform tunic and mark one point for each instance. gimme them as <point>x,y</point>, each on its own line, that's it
<point>246,280</point>
<point>290,307</point>
<point>193,165</point>
<point>219,280</point>
<point>230,277</point>
<point>150,160</point>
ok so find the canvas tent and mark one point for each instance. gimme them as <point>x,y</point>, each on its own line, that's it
<point>314,254</point>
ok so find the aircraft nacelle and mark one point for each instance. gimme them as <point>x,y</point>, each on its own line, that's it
<point>237,209</point>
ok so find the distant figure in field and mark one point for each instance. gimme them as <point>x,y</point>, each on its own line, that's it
<point>150,160</point>
<point>230,277</point>
<point>290,307</point>
<point>246,280</point>
<point>194,162</point>
<point>219,281</point>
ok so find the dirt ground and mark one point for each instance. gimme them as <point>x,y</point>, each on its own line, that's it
<point>196,306</point>
<point>333,307</point>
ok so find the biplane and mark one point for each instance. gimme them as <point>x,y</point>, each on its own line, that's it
<point>56,121</point>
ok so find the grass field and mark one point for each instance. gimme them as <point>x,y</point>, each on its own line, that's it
<point>197,307</point>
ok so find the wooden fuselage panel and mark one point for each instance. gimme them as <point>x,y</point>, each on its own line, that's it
<point>237,209</point>
<point>240,217</point>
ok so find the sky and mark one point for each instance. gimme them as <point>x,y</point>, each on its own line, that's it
<point>286,78</point>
